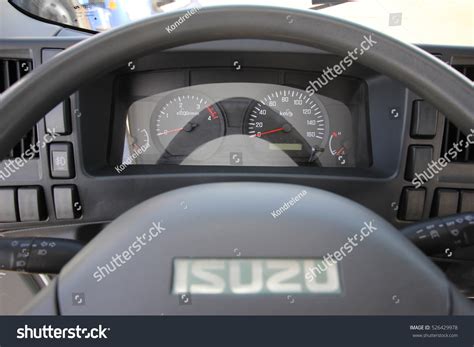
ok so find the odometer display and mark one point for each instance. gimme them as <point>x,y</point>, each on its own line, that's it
<point>290,121</point>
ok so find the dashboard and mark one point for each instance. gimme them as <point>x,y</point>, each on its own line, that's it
<point>235,110</point>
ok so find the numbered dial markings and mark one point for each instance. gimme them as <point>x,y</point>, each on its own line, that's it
<point>185,122</point>
<point>290,121</point>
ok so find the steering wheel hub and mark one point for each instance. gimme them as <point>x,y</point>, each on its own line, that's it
<point>259,248</point>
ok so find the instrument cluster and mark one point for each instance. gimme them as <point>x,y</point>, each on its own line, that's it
<point>240,124</point>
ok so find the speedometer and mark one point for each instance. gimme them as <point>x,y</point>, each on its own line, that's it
<point>290,121</point>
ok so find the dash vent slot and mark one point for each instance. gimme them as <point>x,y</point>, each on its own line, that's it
<point>11,71</point>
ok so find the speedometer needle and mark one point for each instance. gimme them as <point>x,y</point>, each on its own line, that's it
<point>267,132</point>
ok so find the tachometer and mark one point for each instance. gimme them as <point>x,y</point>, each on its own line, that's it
<point>290,121</point>
<point>186,121</point>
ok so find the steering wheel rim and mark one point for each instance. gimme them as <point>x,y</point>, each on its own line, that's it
<point>47,85</point>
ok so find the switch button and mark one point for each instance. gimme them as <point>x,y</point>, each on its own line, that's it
<point>424,120</point>
<point>66,202</point>
<point>58,120</point>
<point>412,204</point>
<point>7,205</point>
<point>31,204</point>
<point>61,160</point>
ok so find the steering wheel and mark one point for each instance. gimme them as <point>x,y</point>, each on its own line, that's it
<point>384,274</point>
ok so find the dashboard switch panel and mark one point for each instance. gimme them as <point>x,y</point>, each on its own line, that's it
<point>31,204</point>
<point>424,120</point>
<point>66,202</point>
<point>61,160</point>
<point>412,204</point>
<point>7,205</point>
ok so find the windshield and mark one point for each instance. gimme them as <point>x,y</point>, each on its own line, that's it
<point>443,22</point>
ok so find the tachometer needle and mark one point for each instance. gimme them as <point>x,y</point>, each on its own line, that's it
<point>267,132</point>
<point>166,132</point>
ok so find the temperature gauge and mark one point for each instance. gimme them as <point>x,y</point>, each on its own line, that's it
<point>339,147</point>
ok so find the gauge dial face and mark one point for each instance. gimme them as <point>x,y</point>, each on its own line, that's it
<point>184,122</point>
<point>290,121</point>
